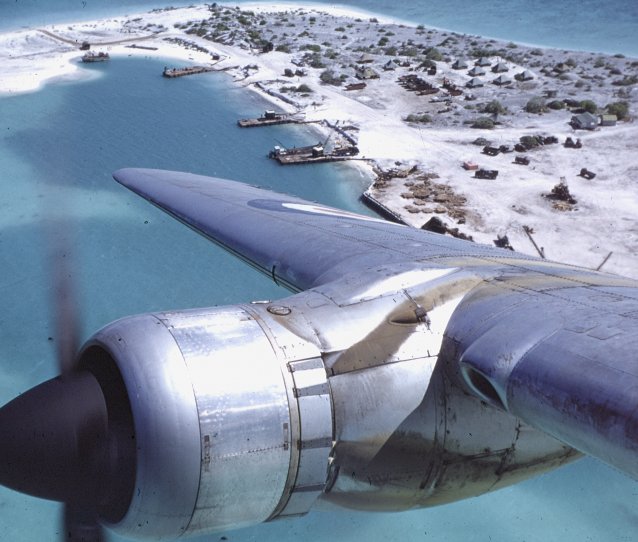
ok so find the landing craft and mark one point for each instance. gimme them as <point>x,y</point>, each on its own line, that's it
<point>407,370</point>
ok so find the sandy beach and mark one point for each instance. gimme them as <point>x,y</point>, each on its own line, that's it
<point>376,79</point>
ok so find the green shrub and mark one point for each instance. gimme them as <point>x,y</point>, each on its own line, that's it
<point>620,109</point>
<point>494,108</point>
<point>420,118</point>
<point>409,51</point>
<point>536,105</point>
<point>483,123</point>
<point>432,53</point>
<point>311,47</point>
<point>529,142</point>
<point>316,62</point>
<point>626,81</point>
<point>556,105</point>
<point>328,77</point>
<point>589,106</point>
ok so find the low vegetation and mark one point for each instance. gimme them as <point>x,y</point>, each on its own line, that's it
<point>620,109</point>
<point>536,105</point>
<point>484,123</point>
<point>418,118</point>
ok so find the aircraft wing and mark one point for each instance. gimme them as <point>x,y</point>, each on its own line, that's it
<point>298,243</point>
<point>552,344</point>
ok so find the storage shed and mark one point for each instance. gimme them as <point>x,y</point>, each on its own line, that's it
<point>584,121</point>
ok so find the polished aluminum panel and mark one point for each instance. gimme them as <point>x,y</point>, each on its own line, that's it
<point>309,397</point>
<point>166,426</point>
<point>316,434</point>
<point>559,361</point>
<point>243,414</point>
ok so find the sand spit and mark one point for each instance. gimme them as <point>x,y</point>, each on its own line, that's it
<point>432,106</point>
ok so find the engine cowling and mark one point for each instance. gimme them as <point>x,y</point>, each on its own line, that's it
<point>348,394</point>
<point>228,432</point>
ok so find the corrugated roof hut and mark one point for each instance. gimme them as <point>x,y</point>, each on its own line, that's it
<point>584,121</point>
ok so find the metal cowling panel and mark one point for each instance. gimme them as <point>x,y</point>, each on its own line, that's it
<point>315,440</point>
<point>243,412</point>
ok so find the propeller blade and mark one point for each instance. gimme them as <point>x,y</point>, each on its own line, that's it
<point>81,525</point>
<point>66,319</point>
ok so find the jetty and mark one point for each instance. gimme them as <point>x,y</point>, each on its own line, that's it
<point>312,154</point>
<point>269,118</point>
<point>181,72</point>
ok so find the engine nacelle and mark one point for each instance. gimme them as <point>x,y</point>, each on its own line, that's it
<point>229,432</point>
<point>250,413</point>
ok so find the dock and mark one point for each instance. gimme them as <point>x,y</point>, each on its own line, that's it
<point>312,154</point>
<point>181,72</point>
<point>296,159</point>
<point>269,118</point>
<point>251,123</point>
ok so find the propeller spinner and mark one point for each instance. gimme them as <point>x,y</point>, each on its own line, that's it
<point>71,439</point>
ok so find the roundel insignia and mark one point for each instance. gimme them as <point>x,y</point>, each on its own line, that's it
<point>307,209</point>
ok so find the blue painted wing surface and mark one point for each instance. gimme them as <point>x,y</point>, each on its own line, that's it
<point>299,243</point>
<point>552,344</point>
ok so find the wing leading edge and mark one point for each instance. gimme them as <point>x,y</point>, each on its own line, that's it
<point>554,345</point>
<point>298,243</point>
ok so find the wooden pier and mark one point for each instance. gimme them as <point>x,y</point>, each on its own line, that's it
<point>181,72</point>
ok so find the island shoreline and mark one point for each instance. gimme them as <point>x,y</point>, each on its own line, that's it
<point>438,186</point>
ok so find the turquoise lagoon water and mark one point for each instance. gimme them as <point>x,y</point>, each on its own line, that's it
<point>61,144</point>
